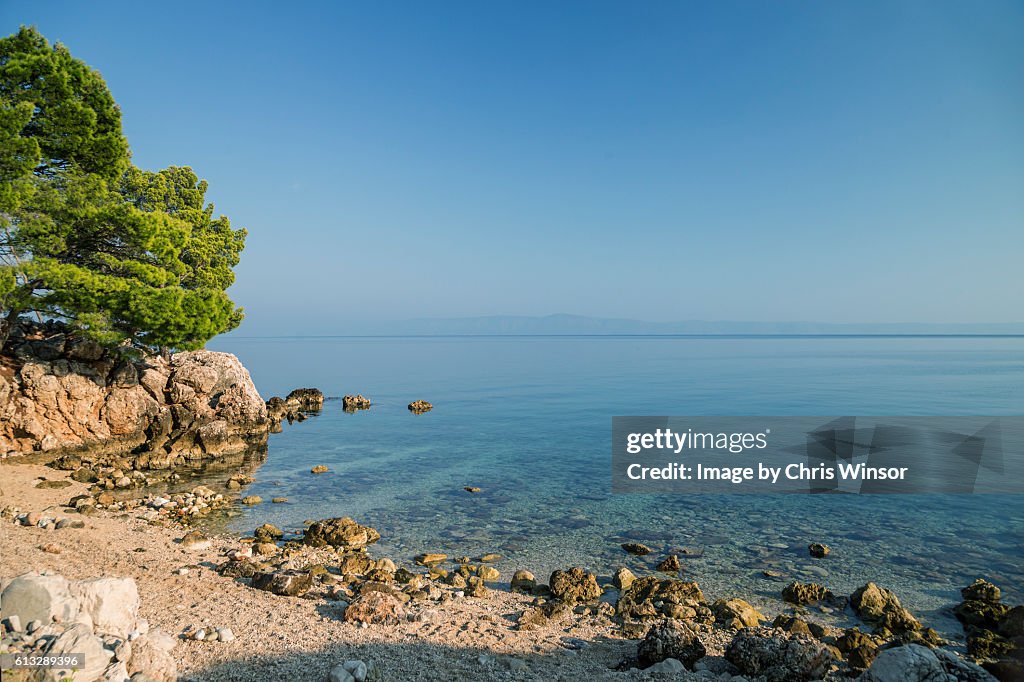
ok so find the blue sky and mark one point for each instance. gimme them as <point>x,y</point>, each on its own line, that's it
<point>817,161</point>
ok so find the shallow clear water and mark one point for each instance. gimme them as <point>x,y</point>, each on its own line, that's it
<point>528,420</point>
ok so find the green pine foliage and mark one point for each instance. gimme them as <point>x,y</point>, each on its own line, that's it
<point>129,257</point>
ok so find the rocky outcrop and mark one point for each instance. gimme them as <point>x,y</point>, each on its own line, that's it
<point>61,395</point>
<point>296,407</point>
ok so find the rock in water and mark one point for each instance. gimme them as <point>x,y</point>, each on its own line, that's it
<point>351,403</point>
<point>342,532</point>
<point>670,639</point>
<point>669,564</point>
<point>779,658</point>
<point>636,548</point>
<point>818,550</point>
<point>807,593</point>
<point>319,469</point>
<point>574,585</point>
<point>420,406</point>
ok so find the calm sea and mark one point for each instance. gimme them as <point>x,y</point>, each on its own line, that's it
<point>528,420</point>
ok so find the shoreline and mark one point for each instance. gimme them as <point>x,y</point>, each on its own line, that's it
<point>443,635</point>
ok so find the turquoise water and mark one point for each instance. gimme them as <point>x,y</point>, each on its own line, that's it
<point>528,420</point>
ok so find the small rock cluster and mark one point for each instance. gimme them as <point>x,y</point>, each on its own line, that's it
<point>297,406</point>
<point>45,614</point>
<point>995,631</point>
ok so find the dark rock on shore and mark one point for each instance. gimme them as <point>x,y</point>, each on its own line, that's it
<point>343,533</point>
<point>779,658</point>
<point>288,584</point>
<point>670,639</point>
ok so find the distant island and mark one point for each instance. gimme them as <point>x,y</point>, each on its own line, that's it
<point>565,324</point>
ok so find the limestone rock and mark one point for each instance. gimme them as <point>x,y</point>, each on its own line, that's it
<point>523,581</point>
<point>112,603</point>
<point>420,406</point>
<point>76,397</point>
<point>35,596</point>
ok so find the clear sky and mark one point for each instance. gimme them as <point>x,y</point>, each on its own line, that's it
<point>825,161</point>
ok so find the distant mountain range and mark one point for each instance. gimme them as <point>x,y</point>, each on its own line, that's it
<point>563,324</point>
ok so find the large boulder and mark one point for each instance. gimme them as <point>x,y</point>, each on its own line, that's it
<point>915,663</point>
<point>374,608</point>
<point>43,597</point>
<point>670,639</point>
<point>778,658</point>
<point>112,603</point>
<point>343,533</point>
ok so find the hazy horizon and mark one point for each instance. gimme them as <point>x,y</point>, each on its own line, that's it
<point>657,161</point>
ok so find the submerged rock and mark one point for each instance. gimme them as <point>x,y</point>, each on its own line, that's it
<point>636,548</point>
<point>818,550</point>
